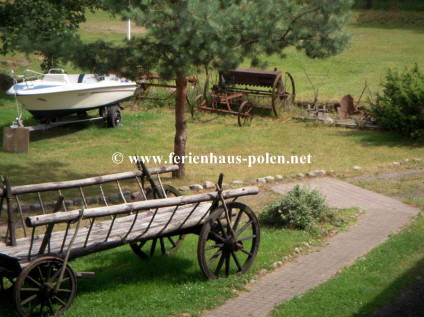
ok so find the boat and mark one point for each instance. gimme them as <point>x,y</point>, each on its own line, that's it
<point>56,94</point>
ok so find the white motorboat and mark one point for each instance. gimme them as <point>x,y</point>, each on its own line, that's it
<point>55,94</point>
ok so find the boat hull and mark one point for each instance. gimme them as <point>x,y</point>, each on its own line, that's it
<point>51,105</point>
<point>56,95</point>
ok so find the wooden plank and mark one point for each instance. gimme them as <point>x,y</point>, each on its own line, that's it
<point>142,205</point>
<point>96,242</point>
<point>16,190</point>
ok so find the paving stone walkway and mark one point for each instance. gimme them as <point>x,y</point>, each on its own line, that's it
<point>383,216</point>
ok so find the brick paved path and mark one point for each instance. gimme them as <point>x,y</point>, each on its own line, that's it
<point>383,216</point>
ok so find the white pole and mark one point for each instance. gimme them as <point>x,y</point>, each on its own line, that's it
<point>129,30</point>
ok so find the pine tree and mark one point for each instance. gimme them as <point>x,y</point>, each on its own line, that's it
<point>185,34</point>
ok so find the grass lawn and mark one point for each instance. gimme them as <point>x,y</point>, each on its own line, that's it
<point>126,286</point>
<point>82,151</point>
<point>377,278</point>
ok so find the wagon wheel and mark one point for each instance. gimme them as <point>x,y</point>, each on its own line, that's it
<point>193,91</point>
<point>289,89</point>
<point>221,254</point>
<point>146,249</point>
<point>9,271</point>
<point>36,292</point>
<point>199,101</point>
<point>245,114</point>
<point>170,191</point>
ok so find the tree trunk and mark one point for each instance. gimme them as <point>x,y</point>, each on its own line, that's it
<point>369,4</point>
<point>180,125</point>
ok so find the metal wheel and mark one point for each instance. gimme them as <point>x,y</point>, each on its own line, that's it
<point>245,114</point>
<point>38,291</point>
<point>228,248</point>
<point>289,95</point>
<point>277,94</point>
<point>146,249</point>
<point>114,116</point>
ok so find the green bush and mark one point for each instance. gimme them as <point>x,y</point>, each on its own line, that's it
<point>400,107</point>
<point>300,208</point>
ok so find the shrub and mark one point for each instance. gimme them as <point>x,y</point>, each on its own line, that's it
<point>400,107</point>
<point>300,208</point>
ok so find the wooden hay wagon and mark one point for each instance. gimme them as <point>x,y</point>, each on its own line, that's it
<point>241,91</point>
<point>35,268</point>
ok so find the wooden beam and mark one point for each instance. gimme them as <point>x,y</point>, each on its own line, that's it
<point>16,190</point>
<point>10,214</point>
<point>73,215</point>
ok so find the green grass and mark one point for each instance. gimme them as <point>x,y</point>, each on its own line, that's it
<point>174,285</point>
<point>82,151</point>
<point>168,286</point>
<point>380,39</point>
<point>377,278</point>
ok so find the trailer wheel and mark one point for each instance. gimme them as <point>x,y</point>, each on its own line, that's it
<point>146,249</point>
<point>228,248</point>
<point>38,291</point>
<point>114,116</point>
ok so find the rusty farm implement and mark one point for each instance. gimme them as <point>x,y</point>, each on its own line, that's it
<point>241,92</point>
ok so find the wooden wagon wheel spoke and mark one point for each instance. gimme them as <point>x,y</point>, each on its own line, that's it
<point>222,229</point>
<point>153,247</point>
<point>42,310</point>
<point>214,257</point>
<point>215,236</point>
<point>162,246</point>
<point>236,253</point>
<point>29,289</point>
<point>236,223</point>
<point>29,299</point>
<point>245,114</point>
<point>147,249</point>
<point>227,264</point>
<point>220,245</point>
<point>47,298</point>
<point>236,260</point>
<point>172,241</point>
<point>34,281</point>
<point>246,252</point>
<point>51,306</point>
<point>245,226</point>
<point>246,238</point>
<point>59,300</point>
<point>220,263</point>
